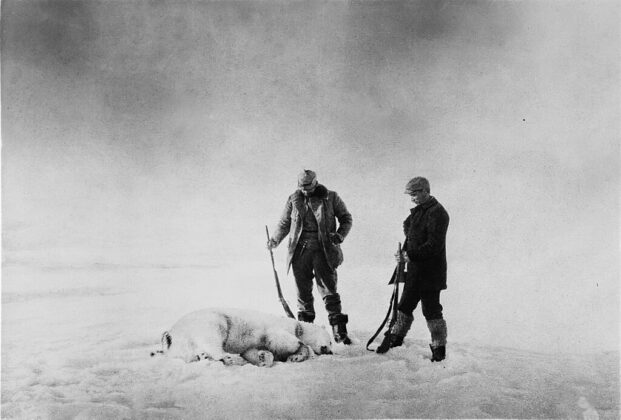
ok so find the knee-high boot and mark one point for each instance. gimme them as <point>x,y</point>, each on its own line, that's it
<point>339,328</point>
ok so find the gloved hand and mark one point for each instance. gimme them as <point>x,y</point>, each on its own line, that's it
<point>272,243</point>
<point>336,238</point>
<point>403,257</point>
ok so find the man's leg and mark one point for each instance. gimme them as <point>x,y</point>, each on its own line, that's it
<point>432,310</point>
<point>400,326</point>
<point>326,279</point>
<point>302,265</point>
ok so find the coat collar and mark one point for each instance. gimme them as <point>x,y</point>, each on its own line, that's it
<point>432,201</point>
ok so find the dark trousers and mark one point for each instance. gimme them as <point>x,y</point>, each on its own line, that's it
<point>310,261</point>
<point>430,301</point>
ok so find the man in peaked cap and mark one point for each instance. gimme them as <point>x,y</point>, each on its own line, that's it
<point>425,255</point>
<point>310,218</point>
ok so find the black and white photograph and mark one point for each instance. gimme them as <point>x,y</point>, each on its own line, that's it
<point>331,209</point>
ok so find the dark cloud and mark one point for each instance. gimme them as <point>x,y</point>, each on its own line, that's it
<point>48,33</point>
<point>364,73</point>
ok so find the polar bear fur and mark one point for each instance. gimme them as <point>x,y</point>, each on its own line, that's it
<point>260,338</point>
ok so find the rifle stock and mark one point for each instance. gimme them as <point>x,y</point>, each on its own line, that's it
<point>394,298</point>
<point>397,281</point>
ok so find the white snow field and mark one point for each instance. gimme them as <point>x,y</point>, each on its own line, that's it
<point>76,349</point>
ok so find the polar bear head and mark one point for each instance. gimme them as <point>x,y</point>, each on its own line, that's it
<point>316,337</point>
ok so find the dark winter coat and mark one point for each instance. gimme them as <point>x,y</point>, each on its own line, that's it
<point>425,231</point>
<point>328,208</point>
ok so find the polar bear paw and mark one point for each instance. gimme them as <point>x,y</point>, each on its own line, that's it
<point>261,358</point>
<point>265,358</point>
<point>303,353</point>
<point>228,360</point>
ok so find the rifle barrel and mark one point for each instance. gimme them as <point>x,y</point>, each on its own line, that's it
<point>284,303</point>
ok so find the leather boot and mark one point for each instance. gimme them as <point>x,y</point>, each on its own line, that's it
<point>398,331</point>
<point>438,330</point>
<point>437,353</point>
<point>390,341</point>
<point>306,317</point>
<point>339,328</point>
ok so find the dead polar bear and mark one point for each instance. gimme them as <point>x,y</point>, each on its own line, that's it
<point>260,338</point>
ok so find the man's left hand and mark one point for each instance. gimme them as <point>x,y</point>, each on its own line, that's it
<point>402,258</point>
<point>336,238</point>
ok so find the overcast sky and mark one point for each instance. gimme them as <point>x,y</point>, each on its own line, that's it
<point>151,132</point>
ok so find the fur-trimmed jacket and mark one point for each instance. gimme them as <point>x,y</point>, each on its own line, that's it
<point>425,231</point>
<point>328,208</point>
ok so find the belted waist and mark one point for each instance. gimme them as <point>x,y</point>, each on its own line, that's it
<point>309,240</point>
<point>309,235</point>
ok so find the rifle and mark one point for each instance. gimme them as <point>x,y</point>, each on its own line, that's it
<point>397,278</point>
<point>280,296</point>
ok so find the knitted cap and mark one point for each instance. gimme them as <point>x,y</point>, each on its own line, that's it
<point>307,178</point>
<point>418,183</point>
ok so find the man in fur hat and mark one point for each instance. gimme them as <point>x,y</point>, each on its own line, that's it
<point>310,218</point>
<point>425,255</point>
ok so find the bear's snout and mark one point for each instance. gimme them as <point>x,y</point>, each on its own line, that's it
<point>325,350</point>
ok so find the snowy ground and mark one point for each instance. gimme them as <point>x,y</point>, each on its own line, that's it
<point>73,348</point>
